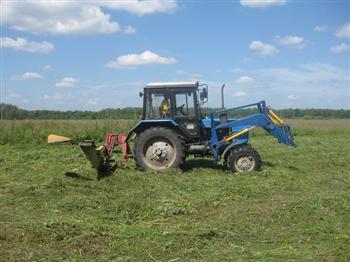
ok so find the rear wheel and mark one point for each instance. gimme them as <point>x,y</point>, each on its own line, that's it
<point>244,159</point>
<point>159,148</point>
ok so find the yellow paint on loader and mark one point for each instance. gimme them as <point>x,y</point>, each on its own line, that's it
<point>57,139</point>
<point>275,118</point>
<point>237,134</point>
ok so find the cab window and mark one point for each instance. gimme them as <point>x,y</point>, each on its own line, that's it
<point>158,106</point>
<point>184,104</point>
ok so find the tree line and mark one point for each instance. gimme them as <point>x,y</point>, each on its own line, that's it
<point>12,112</point>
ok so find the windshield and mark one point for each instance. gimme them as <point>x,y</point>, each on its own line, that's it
<point>184,104</point>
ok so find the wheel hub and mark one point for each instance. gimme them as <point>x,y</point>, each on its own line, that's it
<point>245,163</point>
<point>160,154</point>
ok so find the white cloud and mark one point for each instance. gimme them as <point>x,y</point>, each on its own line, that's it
<point>57,17</point>
<point>292,97</point>
<point>312,74</point>
<point>67,82</point>
<point>146,58</point>
<point>341,48</point>
<point>58,96</point>
<point>247,60</point>
<point>74,16</point>
<point>47,68</point>
<point>321,28</point>
<point>181,72</point>
<point>236,70</point>
<point>292,41</point>
<point>22,44</point>
<point>262,3</point>
<point>245,80</point>
<point>343,31</point>
<point>25,100</point>
<point>141,7</point>
<point>92,102</point>
<point>240,94</point>
<point>13,95</point>
<point>318,85</point>
<point>17,98</point>
<point>27,76</point>
<point>193,76</point>
<point>264,49</point>
<point>129,30</point>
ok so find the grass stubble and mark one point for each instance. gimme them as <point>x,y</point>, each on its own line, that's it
<point>53,208</point>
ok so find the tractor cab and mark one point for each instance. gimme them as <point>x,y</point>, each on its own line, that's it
<point>175,101</point>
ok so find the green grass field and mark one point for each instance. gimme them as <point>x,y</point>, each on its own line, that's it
<point>54,209</point>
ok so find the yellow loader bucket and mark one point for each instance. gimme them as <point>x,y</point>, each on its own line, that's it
<point>57,139</point>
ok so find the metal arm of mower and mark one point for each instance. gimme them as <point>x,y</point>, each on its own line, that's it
<point>265,119</point>
<point>101,157</point>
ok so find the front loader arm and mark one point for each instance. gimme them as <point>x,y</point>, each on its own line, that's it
<point>279,130</point>
<point>265,119</point>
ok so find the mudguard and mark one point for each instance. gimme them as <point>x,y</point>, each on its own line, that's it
<point>144,124</point>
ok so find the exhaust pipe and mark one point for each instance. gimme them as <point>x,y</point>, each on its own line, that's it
<point>222,97</point>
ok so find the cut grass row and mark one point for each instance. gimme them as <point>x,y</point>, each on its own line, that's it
<point>296,208</point>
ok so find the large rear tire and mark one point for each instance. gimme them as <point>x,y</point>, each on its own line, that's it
<point>159,148</point>
<point>243,159</point>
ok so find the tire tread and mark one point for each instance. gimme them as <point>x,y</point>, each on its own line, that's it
<point>241,150</point>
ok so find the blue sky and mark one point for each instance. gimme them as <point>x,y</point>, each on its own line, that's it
<point>89,55</point>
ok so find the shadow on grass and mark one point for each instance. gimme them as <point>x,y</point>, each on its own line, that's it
<point>106,171</point>
<point>268,163</point>
<point>77,176</point>
<point>103,173</point>
<point>200,163</point>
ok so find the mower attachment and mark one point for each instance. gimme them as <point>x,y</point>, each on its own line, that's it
<point>93,154</point>
<point>101,157</point>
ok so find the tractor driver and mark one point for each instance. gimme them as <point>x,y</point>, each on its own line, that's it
<point>164,108</point>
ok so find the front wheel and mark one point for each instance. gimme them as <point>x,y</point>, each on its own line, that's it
<point>244,159</point>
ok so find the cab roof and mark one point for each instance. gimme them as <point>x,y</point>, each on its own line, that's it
<point>193,84</point>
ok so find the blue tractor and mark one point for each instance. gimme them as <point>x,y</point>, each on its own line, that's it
<point>173,127</point>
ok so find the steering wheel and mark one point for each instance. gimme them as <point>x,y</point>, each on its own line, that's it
<point>181,109</point>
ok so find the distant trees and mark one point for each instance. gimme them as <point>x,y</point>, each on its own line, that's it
<point>11,112</point>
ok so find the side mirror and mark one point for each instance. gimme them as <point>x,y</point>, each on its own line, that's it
<point>140,94</point>
<point>203,95</point>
